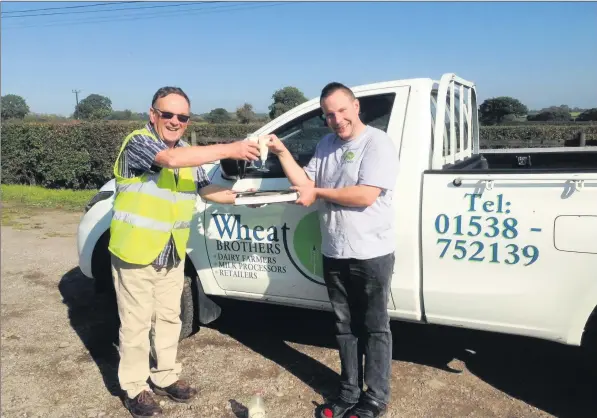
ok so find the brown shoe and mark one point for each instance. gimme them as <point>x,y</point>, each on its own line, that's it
<point>179,391</point>
<point>143,405</point>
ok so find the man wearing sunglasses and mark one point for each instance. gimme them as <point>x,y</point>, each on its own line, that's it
<point>158,177</point>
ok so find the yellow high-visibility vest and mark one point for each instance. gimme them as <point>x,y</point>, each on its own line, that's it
<point>150,208</point>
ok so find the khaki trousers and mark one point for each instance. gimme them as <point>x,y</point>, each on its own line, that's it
<point>149,309</point>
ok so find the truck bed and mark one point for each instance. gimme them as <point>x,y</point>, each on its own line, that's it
<point>507,242</point>
<point>543,159</point>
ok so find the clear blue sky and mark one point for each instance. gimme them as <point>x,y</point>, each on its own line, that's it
<point>225,54</point>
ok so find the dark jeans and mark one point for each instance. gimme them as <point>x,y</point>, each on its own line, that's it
<point>358,291</point>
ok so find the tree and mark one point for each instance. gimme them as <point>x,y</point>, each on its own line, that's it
<point>588,115</point>
<point>196,118</point>
<point>13,106</point>
<point>284,100</point>
<point>561,108</point>
<point>245,113</point>
<point>218,115</point>
<point>94,107</point>
<point>494,110</point>
<point>551,115</point>
<point>124,115</point>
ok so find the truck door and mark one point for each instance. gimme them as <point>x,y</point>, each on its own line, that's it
<point>276,250</point>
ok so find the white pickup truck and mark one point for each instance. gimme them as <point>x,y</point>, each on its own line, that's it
<point>495,240</point>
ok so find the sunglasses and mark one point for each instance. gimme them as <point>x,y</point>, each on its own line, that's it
<point>170,115</point>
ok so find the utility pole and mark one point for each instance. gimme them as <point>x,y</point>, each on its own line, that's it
<point>77,99</point>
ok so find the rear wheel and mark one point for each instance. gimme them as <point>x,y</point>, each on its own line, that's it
<point>102,272</point>
<point>589,343</point>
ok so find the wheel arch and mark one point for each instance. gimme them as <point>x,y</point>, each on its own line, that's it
<point>206,309</point>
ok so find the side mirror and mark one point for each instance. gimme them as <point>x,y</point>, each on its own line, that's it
<point>233,169</point>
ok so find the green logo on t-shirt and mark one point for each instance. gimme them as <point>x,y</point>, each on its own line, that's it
<point>348,156</point>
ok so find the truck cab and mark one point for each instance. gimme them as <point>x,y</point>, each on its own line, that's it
<point>484,240</point>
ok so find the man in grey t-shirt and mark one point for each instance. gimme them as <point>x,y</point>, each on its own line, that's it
<point>351,177</point>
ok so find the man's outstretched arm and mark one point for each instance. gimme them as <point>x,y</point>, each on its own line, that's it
<point>196,155</point>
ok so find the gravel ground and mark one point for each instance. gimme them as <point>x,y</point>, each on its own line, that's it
<point>58,357</point>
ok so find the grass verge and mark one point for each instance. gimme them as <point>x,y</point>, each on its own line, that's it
<point>38,197</point>
<point>20,203</point>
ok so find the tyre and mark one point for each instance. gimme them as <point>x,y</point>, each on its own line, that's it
<point>589,344</point>
<point>188,309</point>
<point>101,266</point>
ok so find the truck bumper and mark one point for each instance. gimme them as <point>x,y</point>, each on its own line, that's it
<point>93,224</point>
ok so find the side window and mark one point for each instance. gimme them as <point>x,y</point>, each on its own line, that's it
<point>447,150</point>
<point>465,128</point>
<point>446,130</point>
<point>302,134</point>
<point>457,111</point>
<point>376,110</point>
<point>447,122</point>
<point>433,109</point>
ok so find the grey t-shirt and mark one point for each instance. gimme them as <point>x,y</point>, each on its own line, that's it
<point>370,159</point>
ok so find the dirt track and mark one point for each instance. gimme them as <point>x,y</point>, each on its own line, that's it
<point>58,358</point>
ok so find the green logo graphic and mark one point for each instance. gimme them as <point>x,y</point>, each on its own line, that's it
<point>348,156</point>
<point>307,244</point>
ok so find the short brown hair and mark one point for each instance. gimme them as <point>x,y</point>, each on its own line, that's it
<point>164,91</point>
<point>334,86</point>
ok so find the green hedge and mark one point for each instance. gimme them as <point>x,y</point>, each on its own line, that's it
<point>80,155</point>
<point>70,155</point>
<point>221,132</point>
<point>532,136</point>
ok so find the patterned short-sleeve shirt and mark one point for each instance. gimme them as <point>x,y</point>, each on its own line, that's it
<point>137,158</point>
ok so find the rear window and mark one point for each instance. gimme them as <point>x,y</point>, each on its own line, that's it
<point>447,151</point>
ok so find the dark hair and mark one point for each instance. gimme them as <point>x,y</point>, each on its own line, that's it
<point>164,91</point>
<point>332,87</point>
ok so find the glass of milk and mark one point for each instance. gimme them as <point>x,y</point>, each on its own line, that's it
<point>263,149</point>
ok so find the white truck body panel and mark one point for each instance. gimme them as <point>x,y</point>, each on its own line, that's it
<point>509,256</point>
<point>93,224</point>
<point>459,261</point>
